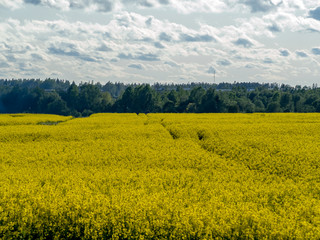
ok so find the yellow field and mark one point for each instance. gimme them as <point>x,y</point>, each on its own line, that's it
<point>155,176</point>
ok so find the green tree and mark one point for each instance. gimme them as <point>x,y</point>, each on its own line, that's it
<point>89,98</point>
<point>273,107</point>
<point>195,98</point>
<point>259,106</point>
<point>144,101</point>
<point>210,102</point>
<point>72,96</point>
<point>106,102</point>
<point>52,103</point>
<point>125,102</point>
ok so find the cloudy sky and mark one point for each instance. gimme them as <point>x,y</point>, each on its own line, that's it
<point>149,41</point>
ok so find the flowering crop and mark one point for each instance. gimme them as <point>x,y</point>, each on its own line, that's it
<point>177,176</point>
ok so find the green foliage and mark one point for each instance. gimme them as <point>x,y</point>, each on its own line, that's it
<point>61,97</point>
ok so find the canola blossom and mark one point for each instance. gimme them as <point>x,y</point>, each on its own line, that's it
<point>160,176</point>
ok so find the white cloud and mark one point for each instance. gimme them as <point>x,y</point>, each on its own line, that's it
<point>138,66</point>
<point>151,48</point>
<point>13,4</point>
<point>214,6</point>
<point>181,6</point>
<point>283,21</point>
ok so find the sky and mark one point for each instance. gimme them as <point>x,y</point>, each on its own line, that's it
<point>165,41</point>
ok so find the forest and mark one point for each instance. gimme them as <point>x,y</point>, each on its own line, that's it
<point>54,96</point>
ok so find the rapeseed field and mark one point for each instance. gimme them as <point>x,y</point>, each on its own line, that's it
<point>160,176</point>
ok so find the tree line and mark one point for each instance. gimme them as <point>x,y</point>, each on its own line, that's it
<point>61,97</point>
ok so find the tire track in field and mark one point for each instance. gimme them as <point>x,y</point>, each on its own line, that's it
<point>54,123</point>
<point>200,137</point>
